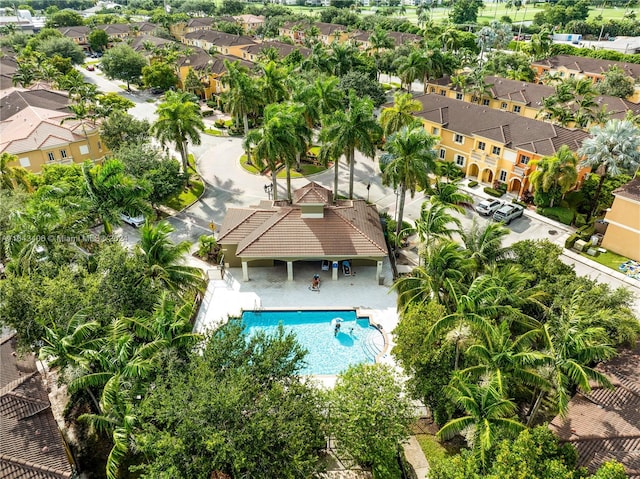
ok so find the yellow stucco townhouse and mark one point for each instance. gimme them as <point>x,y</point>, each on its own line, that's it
<point>623,232</point>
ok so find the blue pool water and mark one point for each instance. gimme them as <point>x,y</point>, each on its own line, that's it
<point>327,354</point>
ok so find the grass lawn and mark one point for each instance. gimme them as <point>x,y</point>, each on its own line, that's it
<point>608,259</point>
<point>307,169</point>
<point>433,450</point>
<point>247,167</point>
<point>213,132</point>
<point>187,197</point>
<point>564,215</point>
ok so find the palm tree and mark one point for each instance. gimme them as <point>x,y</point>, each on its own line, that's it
<point>272,83</point>
<point>243,97</point>
<point>487,411</point>
<point>179,121</point>
<point>611,150</point>
<point>409,159</point>
<point>341,58</point>
<point>412,67</point>
<point>378,40</point>
<point>111,192</point>
<point>483,244</point>
<point>436,222</point>
<point>444,266</point>
<point>276,142</point>
<point>25,75</point>
<point>346,132</point>
<point>13,177</point>
<point>555,175</point>
<point>401,114</point>
<point>164,260</point>
<point>449,194</point>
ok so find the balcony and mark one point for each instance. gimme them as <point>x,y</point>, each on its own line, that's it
<point>478,155</point>
<point>491,160</point>
<point>518,171</point>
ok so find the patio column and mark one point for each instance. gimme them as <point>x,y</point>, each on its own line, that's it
<point>379,271</point>
<point>289,270</point>
<point>245,271</point>
<point>334,270</point>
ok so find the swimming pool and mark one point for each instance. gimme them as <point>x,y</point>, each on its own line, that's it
<point>356,342</point>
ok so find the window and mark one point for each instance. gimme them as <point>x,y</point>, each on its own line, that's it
<point>485,102</point>
<point>435,131</point>
<point>84,149</point>
<point>432,89</point>
<point>524,159</point>
<point>503,176</point>
<point>516,108</point>
<point>460,160</point>
<point>482,145</point>
<point>561,74</point>
<point>443,93</point>
<point>495,150</point>
<point>25,162</point>
<point>458,138</point>
<point>63,154</point>
<point>442,153</point>
<point>572,75</point>
<point>458,96</point>
<point>503,105</point>
<point>51,156</point>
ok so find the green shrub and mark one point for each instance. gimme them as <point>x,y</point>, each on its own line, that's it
<point>212,104</point>
<point>219,123</point>
<point>563,215</point>
<point>586,232</point>
<point>570,241</point>
<point>492,192</point>
<point>473,183</point>
<point>207,113</point>
<point>580,220</point>
<point>521,203</point>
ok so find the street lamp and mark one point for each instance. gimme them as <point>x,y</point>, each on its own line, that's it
<point>368,188</point>
<point>268,189</point>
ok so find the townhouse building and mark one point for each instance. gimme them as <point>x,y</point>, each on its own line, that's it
<point>492,145</point>
<point>180,29</point>
<point>569,66</point>
<point>254,52</point>
<point>37,126</point>
<point>623,232</point>
<point>327,33</point>
<point>118,32</point>
<point>250,23</point>
<point>223,43</point>
<point>522,98</point>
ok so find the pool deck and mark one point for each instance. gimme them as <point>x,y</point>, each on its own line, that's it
<point>268,288</point>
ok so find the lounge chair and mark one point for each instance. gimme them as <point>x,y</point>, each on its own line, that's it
<point>325,265</point>
<point>346,268</point>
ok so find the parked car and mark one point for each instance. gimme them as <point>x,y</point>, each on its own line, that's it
<point>135,221</point>
<point>488,206</point>
<point>91,68</point>
<point>508,213</point>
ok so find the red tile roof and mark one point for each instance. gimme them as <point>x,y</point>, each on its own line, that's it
<point>588,65</point>
<point>348,229</point>
<point>31,445</point>
<point>604,424</point>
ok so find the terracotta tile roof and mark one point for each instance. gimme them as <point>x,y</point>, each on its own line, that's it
<point>201,60</point>
<point>605,424</point>
<point>248,18</point>
<point>514,131</point>
<point>631,191</point>
<point>587,65</point>
<point>324,28</point>
<point>75,32</point>
<point>284,49</point>
<point>219,38</point>
<point>312,193</point>
<point>138,42</point>
<point>348,229</point>
<point>18,100</point>
<point>200,22</point>
<point>31,445</point>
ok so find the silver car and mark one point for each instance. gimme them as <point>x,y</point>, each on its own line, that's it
<point>135,221</point>
<point>488,207</point>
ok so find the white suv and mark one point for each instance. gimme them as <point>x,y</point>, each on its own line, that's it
<point>488,206</point>
<point>135,221</point>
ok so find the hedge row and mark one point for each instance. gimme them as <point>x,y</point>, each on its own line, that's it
<point>492,192</point>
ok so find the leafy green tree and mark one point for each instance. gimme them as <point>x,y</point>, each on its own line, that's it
<point>120,129</point>
<point>272,82</point>
<point>465,11</point>
<point>369,416</point>
<point>164,260</point>
<point>63,47</point>
<point>248,414</point>
<point>123,63</point>
<point>409,158</point>
<point>436,222</point>
<point>612,149</point>
<point>64,18</point>
<point>346,132</point>
<point>107,103</point>
<point>429,364</point>
<point>554,176</point>
<point>159,75</point>
<point>98,40</point>
<point>379,40</point>
<point>192,83</point>
<point>483,244</point>
<point>12,177</point>
<point>179,121</point>
<point>401,114</point>
<point>363,86</point>
<point>486,410</point>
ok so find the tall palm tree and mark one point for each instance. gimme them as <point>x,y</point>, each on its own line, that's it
<point>111,192</point>
<point>276,142</point>
<point>448,193</point>
<point>379,40</point>
<point>243,97</point>
<point>401,114</point>
<point>483,244</point>
<point>486,409</point>
<point>409,159</point>
<point>436,222</point>
<point>555,175</point>
<point>272,82</point>
<point>412,67</point>
<point>573,344</point>
<point>25,75</point>
<point>164,260</point>
<point>611,150</point>
<point>179,121</point>
<point>450,38</point>
<point>341,58</point>
<point>444,266</point>
<point>346,132</point>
